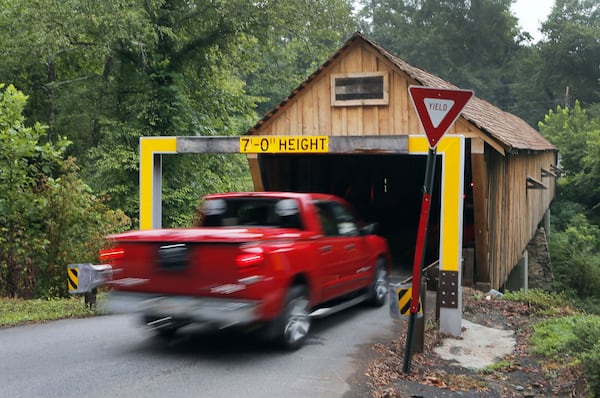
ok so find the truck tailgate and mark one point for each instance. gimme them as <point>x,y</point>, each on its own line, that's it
<point>188,268</point>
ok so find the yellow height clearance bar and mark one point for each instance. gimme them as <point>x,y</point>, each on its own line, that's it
<point>285,144</point>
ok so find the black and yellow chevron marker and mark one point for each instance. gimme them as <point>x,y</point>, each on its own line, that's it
<point>404,301</point>
<point>73,278</point>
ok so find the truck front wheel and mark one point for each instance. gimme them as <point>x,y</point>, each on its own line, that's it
<point>379,287</point>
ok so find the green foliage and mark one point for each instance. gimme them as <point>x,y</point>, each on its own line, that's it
<point>564,210</point>
<point>76,223</point>
<point>591,362</point>
<point>18,311</point>
<point>575,240</point>
<point>48,216</point>
<point>106,73</point>
<point>552,337</point>
<point>545,302</point>
<point>500,365</point>
<point>471,44</point>
<point>24,164</point>
<point>478,45</point>
<point>572,339</point>
<point>217,173</point>
<point>308,32</point>
<point>570,53</point>
<point>577,135</point>
<point>575,254</point>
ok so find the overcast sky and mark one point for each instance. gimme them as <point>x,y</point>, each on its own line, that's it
<point>531,14</point>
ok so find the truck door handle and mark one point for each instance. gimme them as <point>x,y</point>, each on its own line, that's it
<point>351,246</point>
<point>325,249</point>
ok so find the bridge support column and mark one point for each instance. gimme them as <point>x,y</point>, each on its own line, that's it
<point>519,277</point>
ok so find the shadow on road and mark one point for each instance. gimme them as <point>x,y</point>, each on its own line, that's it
<point>198,341</point>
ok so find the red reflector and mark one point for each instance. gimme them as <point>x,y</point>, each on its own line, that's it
<point>111,254</point>
<point>249,259</point>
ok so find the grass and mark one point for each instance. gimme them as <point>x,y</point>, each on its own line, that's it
<point>566,337</point>
<point>19,311</point>
<point>497,366</point>
<point>550,304</point>
<point>569,341</point>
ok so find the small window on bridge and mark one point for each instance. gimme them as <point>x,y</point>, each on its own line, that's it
<point>353,89</point>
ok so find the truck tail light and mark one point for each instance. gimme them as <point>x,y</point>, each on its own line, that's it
<point>111,254</point>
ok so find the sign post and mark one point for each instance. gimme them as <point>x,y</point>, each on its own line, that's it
<point>437,110</point>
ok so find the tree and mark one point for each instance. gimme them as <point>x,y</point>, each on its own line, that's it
<point>469,43</point>
<point>23,163</point>
<point>577,135</point>
<point>106,73</point>
<point>570,52</point>
<point>575,255</point>
<point>303,36</point>
<point>47,215</point>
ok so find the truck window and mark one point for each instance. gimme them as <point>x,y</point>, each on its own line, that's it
<point>255,212</point>
<point>336,220</point>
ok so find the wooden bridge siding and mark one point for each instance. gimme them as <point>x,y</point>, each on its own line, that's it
<point>513,211</point>
<point>479,176</point>
<point>541,201</point>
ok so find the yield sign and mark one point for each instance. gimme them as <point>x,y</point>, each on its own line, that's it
<point>438,109</point>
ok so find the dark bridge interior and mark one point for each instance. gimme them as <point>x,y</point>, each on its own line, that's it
<point>384,188</point>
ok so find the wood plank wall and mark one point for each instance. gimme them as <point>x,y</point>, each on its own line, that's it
<point>514,211</point>
<point>310,112</point>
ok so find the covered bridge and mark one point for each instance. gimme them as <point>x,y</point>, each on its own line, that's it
<point>362,90</point>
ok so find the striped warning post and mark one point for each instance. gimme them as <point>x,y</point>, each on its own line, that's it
<point>404,301</point>
<point>73,278</point>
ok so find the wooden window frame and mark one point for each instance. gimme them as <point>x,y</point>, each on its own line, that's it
<point>359,102</point>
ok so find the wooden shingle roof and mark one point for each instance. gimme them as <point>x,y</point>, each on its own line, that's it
<point>512,132</point>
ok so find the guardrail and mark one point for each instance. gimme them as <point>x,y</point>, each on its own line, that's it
<point>86,278</point>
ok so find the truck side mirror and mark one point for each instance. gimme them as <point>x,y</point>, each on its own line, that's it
<point>370,229</point>
<point>214,207</point>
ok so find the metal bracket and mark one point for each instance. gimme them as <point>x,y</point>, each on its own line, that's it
<point>448,289</point>
<point>84,278</point>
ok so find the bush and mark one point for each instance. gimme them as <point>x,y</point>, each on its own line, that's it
<point>587,342</point>
<point>551,338</point>
<point>48,216</point>
<point>570,340</point>
<point>75,226</point>
<point>591,362</point>
<point>563,211</point>
<point>575,254</point>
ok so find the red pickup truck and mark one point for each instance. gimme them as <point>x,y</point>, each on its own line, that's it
<point>269,260</point>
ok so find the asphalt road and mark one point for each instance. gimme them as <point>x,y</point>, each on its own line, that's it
<point>112,356</point>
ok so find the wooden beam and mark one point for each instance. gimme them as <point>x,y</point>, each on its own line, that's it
<point>532,183</point>
<point>548,173</point>
<point>255,172</point>
<point>557,170</point>
<point>369,144</point>
<point>480,206</point>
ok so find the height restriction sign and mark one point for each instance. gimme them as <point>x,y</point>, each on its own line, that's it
<point>438,109</point>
